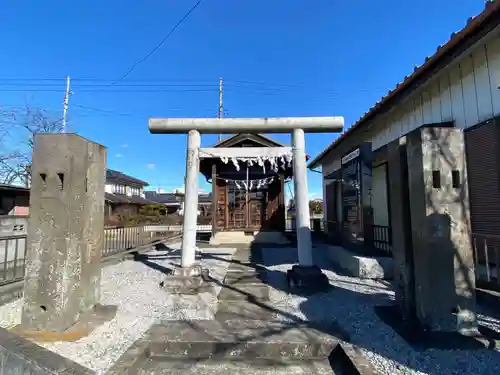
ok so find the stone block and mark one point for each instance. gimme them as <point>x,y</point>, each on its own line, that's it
<point>242,339</point>
<point>402,249</point>
<point>360,266</point>
<point>307,278</point>
<point>21,356</point>
<point>188,280</point>
<point>441,233</point>
<point>65,231</point>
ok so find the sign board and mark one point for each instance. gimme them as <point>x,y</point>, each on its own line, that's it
<point>356,196</point>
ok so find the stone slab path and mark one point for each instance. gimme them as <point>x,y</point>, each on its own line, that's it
<point>244,337</point>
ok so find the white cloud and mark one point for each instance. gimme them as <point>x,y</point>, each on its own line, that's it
<point>118,155</point>
<point>150,166</point>
<point>315,196</point>
<point>124,145</point>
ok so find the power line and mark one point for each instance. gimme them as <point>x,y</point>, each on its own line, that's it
<point>115,91</point>
<point>157,47</point>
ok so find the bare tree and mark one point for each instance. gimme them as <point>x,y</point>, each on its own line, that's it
<point>17,131</point>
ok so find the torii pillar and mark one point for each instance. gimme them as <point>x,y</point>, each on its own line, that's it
<point>305,273</point>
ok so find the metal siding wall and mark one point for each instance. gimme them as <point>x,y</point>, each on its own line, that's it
<point>483,164</point>
<point>466,93</point>
<point>379,196</point>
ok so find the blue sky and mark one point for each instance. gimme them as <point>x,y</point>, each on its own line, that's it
<point>277,57</point>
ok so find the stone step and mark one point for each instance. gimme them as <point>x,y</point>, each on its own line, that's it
<point>239,278</point>
<point>246,267</point>
<point>241,339</point>
<point>244,309</point>
<point>248,292</point>
<point>211,367</point>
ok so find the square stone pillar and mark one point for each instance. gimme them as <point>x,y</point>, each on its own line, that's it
<point>402,249</point>
<point>65,232</point>
<point>440,220</point>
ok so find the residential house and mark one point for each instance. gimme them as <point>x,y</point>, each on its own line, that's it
<point>174,202</point>
<point>124,195</point>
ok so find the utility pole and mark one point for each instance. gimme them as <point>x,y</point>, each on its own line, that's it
<point>66,103</point>
<point>221,107</point>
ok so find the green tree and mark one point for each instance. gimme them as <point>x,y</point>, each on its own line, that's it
<point>316,207</point>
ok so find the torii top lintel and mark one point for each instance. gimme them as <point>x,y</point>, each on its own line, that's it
<point>246,125</point>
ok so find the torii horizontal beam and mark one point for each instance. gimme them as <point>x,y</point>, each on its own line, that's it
<point>243,152</point>
<point>333,124</point>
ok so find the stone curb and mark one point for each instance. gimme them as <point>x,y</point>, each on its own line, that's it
<point>21,356</point>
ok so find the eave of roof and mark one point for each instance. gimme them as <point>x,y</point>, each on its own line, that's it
<point>250,136</point>
<point>14,188</point>
<point>473,24</point>
<point>112,174</point>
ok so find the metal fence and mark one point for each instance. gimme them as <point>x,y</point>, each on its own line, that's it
<point>487,257</point>
<point>382,238</point>
<point>317,224</point>
<point>115,240</point>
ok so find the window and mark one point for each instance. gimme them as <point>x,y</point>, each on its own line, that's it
<point>119,189</point>
<point>135,191</point>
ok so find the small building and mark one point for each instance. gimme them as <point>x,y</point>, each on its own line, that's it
<point>14,200</point>
<point>174,202</point>
<point>124,195</point>
<point>459,87</point>
<point>247,198</point>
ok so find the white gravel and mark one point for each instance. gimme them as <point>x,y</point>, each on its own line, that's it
<point>352,303</point>
<point>134,288</point>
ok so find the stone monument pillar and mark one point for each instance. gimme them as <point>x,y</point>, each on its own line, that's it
<point>402,249</point>
<point>66,225</point>
<point>440,221</point>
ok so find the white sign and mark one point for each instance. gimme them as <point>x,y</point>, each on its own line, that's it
<point>352,155</point>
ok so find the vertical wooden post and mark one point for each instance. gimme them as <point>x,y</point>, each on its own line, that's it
<point>215,198</point>
<point>281,204</point>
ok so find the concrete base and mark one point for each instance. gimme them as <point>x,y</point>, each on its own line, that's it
<point>235,237</point>
<point>361,266</point>
<point>307,278</point>
<point>87,323</point>
<point>190,280</point>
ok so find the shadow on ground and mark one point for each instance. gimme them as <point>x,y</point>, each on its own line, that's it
<point>358,311</point>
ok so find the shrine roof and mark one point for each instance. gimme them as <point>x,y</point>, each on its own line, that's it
<point>236,139</point>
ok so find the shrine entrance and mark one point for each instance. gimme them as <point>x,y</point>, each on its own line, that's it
<point>246,209</point>
<point>248,193</point>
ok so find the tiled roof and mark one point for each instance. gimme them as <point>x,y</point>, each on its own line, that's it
<point>171,198</point>
<point>491,14</point>
<point>240,137</point>
<point>124,199</point>
<point>163,197</point>
<point>116,176</point>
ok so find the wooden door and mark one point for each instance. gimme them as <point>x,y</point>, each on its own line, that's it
<point>237,208</point>
<point>256,209</point>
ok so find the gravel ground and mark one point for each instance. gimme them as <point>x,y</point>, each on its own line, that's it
<point>352,303</point>
<point>134,288</point>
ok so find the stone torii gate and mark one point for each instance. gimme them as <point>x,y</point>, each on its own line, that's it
<point>305,272</point>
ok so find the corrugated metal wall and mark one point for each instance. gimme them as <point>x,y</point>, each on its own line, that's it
<point>483,168</point>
